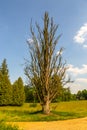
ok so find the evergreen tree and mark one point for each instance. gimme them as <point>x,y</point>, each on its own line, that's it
<point>18,92</point>
<point>4,68</point>
<point>5,85</point>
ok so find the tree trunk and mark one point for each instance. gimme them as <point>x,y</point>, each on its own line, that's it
<point>46,107</point>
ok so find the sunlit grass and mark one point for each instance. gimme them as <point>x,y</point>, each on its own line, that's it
<point>59,111</point>
<point>4,126</point>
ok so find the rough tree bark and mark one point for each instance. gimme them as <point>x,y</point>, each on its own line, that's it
<point>46,106</point>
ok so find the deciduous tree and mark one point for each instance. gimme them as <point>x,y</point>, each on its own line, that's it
<point>45,68</point>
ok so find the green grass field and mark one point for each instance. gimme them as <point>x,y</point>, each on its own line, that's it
<point>59,111</point>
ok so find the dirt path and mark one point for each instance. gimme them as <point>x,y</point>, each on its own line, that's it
<point>74,124</point>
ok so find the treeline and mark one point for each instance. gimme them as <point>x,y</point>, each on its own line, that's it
<point>82,95</point>
<point>64,95</point>
<point>10,94</point>
<point>16,94</point>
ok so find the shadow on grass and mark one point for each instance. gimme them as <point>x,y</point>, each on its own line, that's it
<point>36,112</point>
<point>39,116</point>
<point>64,113</point>
<point>58,113</point>
<point>18,112</point>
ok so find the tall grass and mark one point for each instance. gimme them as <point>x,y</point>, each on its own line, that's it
<point>59,111</point>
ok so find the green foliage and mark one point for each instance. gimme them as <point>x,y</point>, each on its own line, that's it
<point>4,68</point>
<point>63,94</point>
<point>30,95</point>
<point>66,94</point>
<point>5,91</point>
<point>18,93</point>
<point>5,85</point>
<point>10,95</point>
<point>82,95</point>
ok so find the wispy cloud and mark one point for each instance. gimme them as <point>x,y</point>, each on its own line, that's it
<point>79,84</point>
<point>85,46</point>
<point>77,70</point>
<point>78,74</point>
<point>59,53</point>
<point>30,40</point>
<point>75,87</point>
<point>81,35</point>
<point>82,80</point>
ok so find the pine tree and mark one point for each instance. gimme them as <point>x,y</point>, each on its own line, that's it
<point>18,93</point>
<point>4,68</point>
<point>5,85</point>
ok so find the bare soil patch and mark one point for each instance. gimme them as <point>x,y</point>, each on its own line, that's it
<point>73,124</point>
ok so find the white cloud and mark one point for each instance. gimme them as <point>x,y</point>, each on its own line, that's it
<point>81,35</point>
<point>77,70</point>
<point>78,75</point>
<point>30,40</point>
<point>82,80</point>
<point>59,53</point>
<point>79,84</point>
<point>75,87</point>
<point>85,46</point>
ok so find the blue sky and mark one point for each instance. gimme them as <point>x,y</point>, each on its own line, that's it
<point>71,15</point>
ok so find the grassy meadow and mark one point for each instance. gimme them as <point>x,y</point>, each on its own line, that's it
<point>59,111</point>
